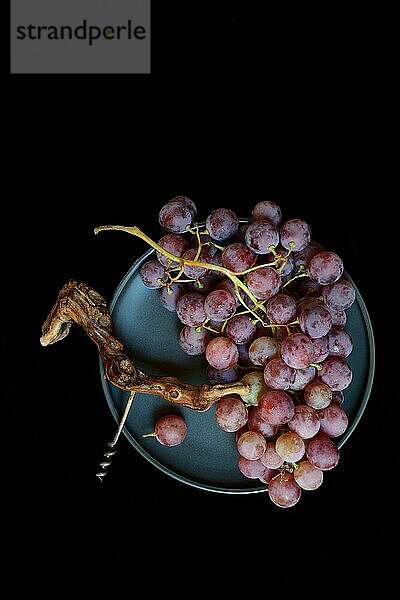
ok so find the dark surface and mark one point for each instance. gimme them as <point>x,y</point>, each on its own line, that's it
<point>241,106</point>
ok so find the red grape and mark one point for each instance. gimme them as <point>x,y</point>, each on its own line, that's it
<point>264,282</point>
<point>222,353</point>
<point>283,490</point>
<point>219,305</point>
<point>238,257</point>
<point>175,216</point>
<point>336,373</point>
<point>190,309</point>
<point>276,407</point>
<point>290,446</point>
<point>322,453</point>
<point>271,458</point>
<point>260,236</point>
<point>317,394</point>
<point>333,419</point>
<point>231,413</point>
<point>251,445</point>
<point>325,268</point>
<point>278,375</point>
<point>174,244</point>
<point>170,430</point>
<point>297,350</point>
<point>281,309</point>
<point>262,349</point>
<point>307,476</point>
<point>295,232</point>
<point>193,342</point>
<point>305,421</point>
<point>222,224</point>
<point>240,329</point>
<point>152,274</point>
<point>267,211</point>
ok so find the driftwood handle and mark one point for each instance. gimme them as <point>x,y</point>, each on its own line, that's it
<point>80,303</point>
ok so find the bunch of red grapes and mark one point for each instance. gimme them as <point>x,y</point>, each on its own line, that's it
<point>266,304</point>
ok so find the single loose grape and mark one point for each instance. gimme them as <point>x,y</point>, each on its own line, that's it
<point>170,430</point>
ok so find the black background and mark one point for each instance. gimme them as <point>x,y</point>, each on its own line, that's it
<point>243,104</point>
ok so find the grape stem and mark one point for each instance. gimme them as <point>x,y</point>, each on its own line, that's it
<point>184,261</point>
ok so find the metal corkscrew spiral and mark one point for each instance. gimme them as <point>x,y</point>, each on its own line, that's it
<point>108,454</point>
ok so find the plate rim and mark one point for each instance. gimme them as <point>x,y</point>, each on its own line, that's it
<point>212,488</point>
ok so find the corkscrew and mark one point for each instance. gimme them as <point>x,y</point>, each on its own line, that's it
<point>110,451</point>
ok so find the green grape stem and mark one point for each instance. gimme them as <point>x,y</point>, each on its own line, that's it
<point>183,261</point>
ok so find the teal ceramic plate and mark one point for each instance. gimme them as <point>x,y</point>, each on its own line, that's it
<point>207,458</point>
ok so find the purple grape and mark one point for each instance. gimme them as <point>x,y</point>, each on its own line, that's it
<point>322,453</point>
<point>222,224</point>
<point>238,257</point>
<point>216,376</point>
<point>219,305</point>
<point>227,285</point>
<point>170,430</point>
<point>240,329</point>
<point>264,282</point>
<point>297,350</point>
<point>267,211</point>
<point>315,321</point>
<point>284,491</point>
<point>317,394</point>
<point>174,244</point>
<point>295,232</point>
<point>175,216</point>
<point>251,445</point>
<point>321,350</point>
<point>339,318</point>
<point>303,257</point>
<point>253,469</point>
<point>290,446</point>
<point>217,260</point>
<point>281,309</point>
<point>307,476</point>
<point>334,420</point>
<point>339,343</point>
<point>187,203</point>
<point>256,423</point>
<point>196,272</point>
<point>336,373</point>
<point>222,353</point>
<point>170,295</point>
<point>231,413</point>
<point>262,349</point>
<point>325,268</point>
<point>278,375</point>
<point>271,458</point>
<point>190,309</point>
<point>260,236</point>
<point>305,421</point>
<point>193,342</point>
<point>152,274</point>
<point>302,378</point>
<point>339,296</point>
<point>276,407</point>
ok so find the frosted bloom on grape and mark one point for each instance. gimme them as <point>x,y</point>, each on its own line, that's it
<point>290,446</point>
<point>222,353</point>
<point>281,309</point>
<point>187,203</point>
<point>260,236</point>
<point>302,378</point>
<point>322,453</point>
<point>325,268</point>
<point>253,469</point>
<point>174,244</point>
<point>238,257</point>
<point>305,421</point>
<point>315,321</point>
<point>190,309</point>
<point>262,349</point>
<point>255,422</point>
<point>231,413</point>
<point>297,350</point>
<point>278,375</point>
<point>240,329</point>
<point>264,282</point>
<point>340,343</point>
<point>297,232</point>
<point>222,224</point>
<point>170,430</point>
<point>284,491</point>
<point>339,296</point>
<point>307,476</point>
<point>267,211</point>
<point>170,295</point>
<point>271,458</point>
<point>336,373</point>
<point>216,376</point>
<point>193,342</point>
<point>333,419</point>
<point>251,445</point>
<point>317,394</point>
<point>276,407</point>
<point>175,216</point>
<point>152,274</point>
<point>219,305</point>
